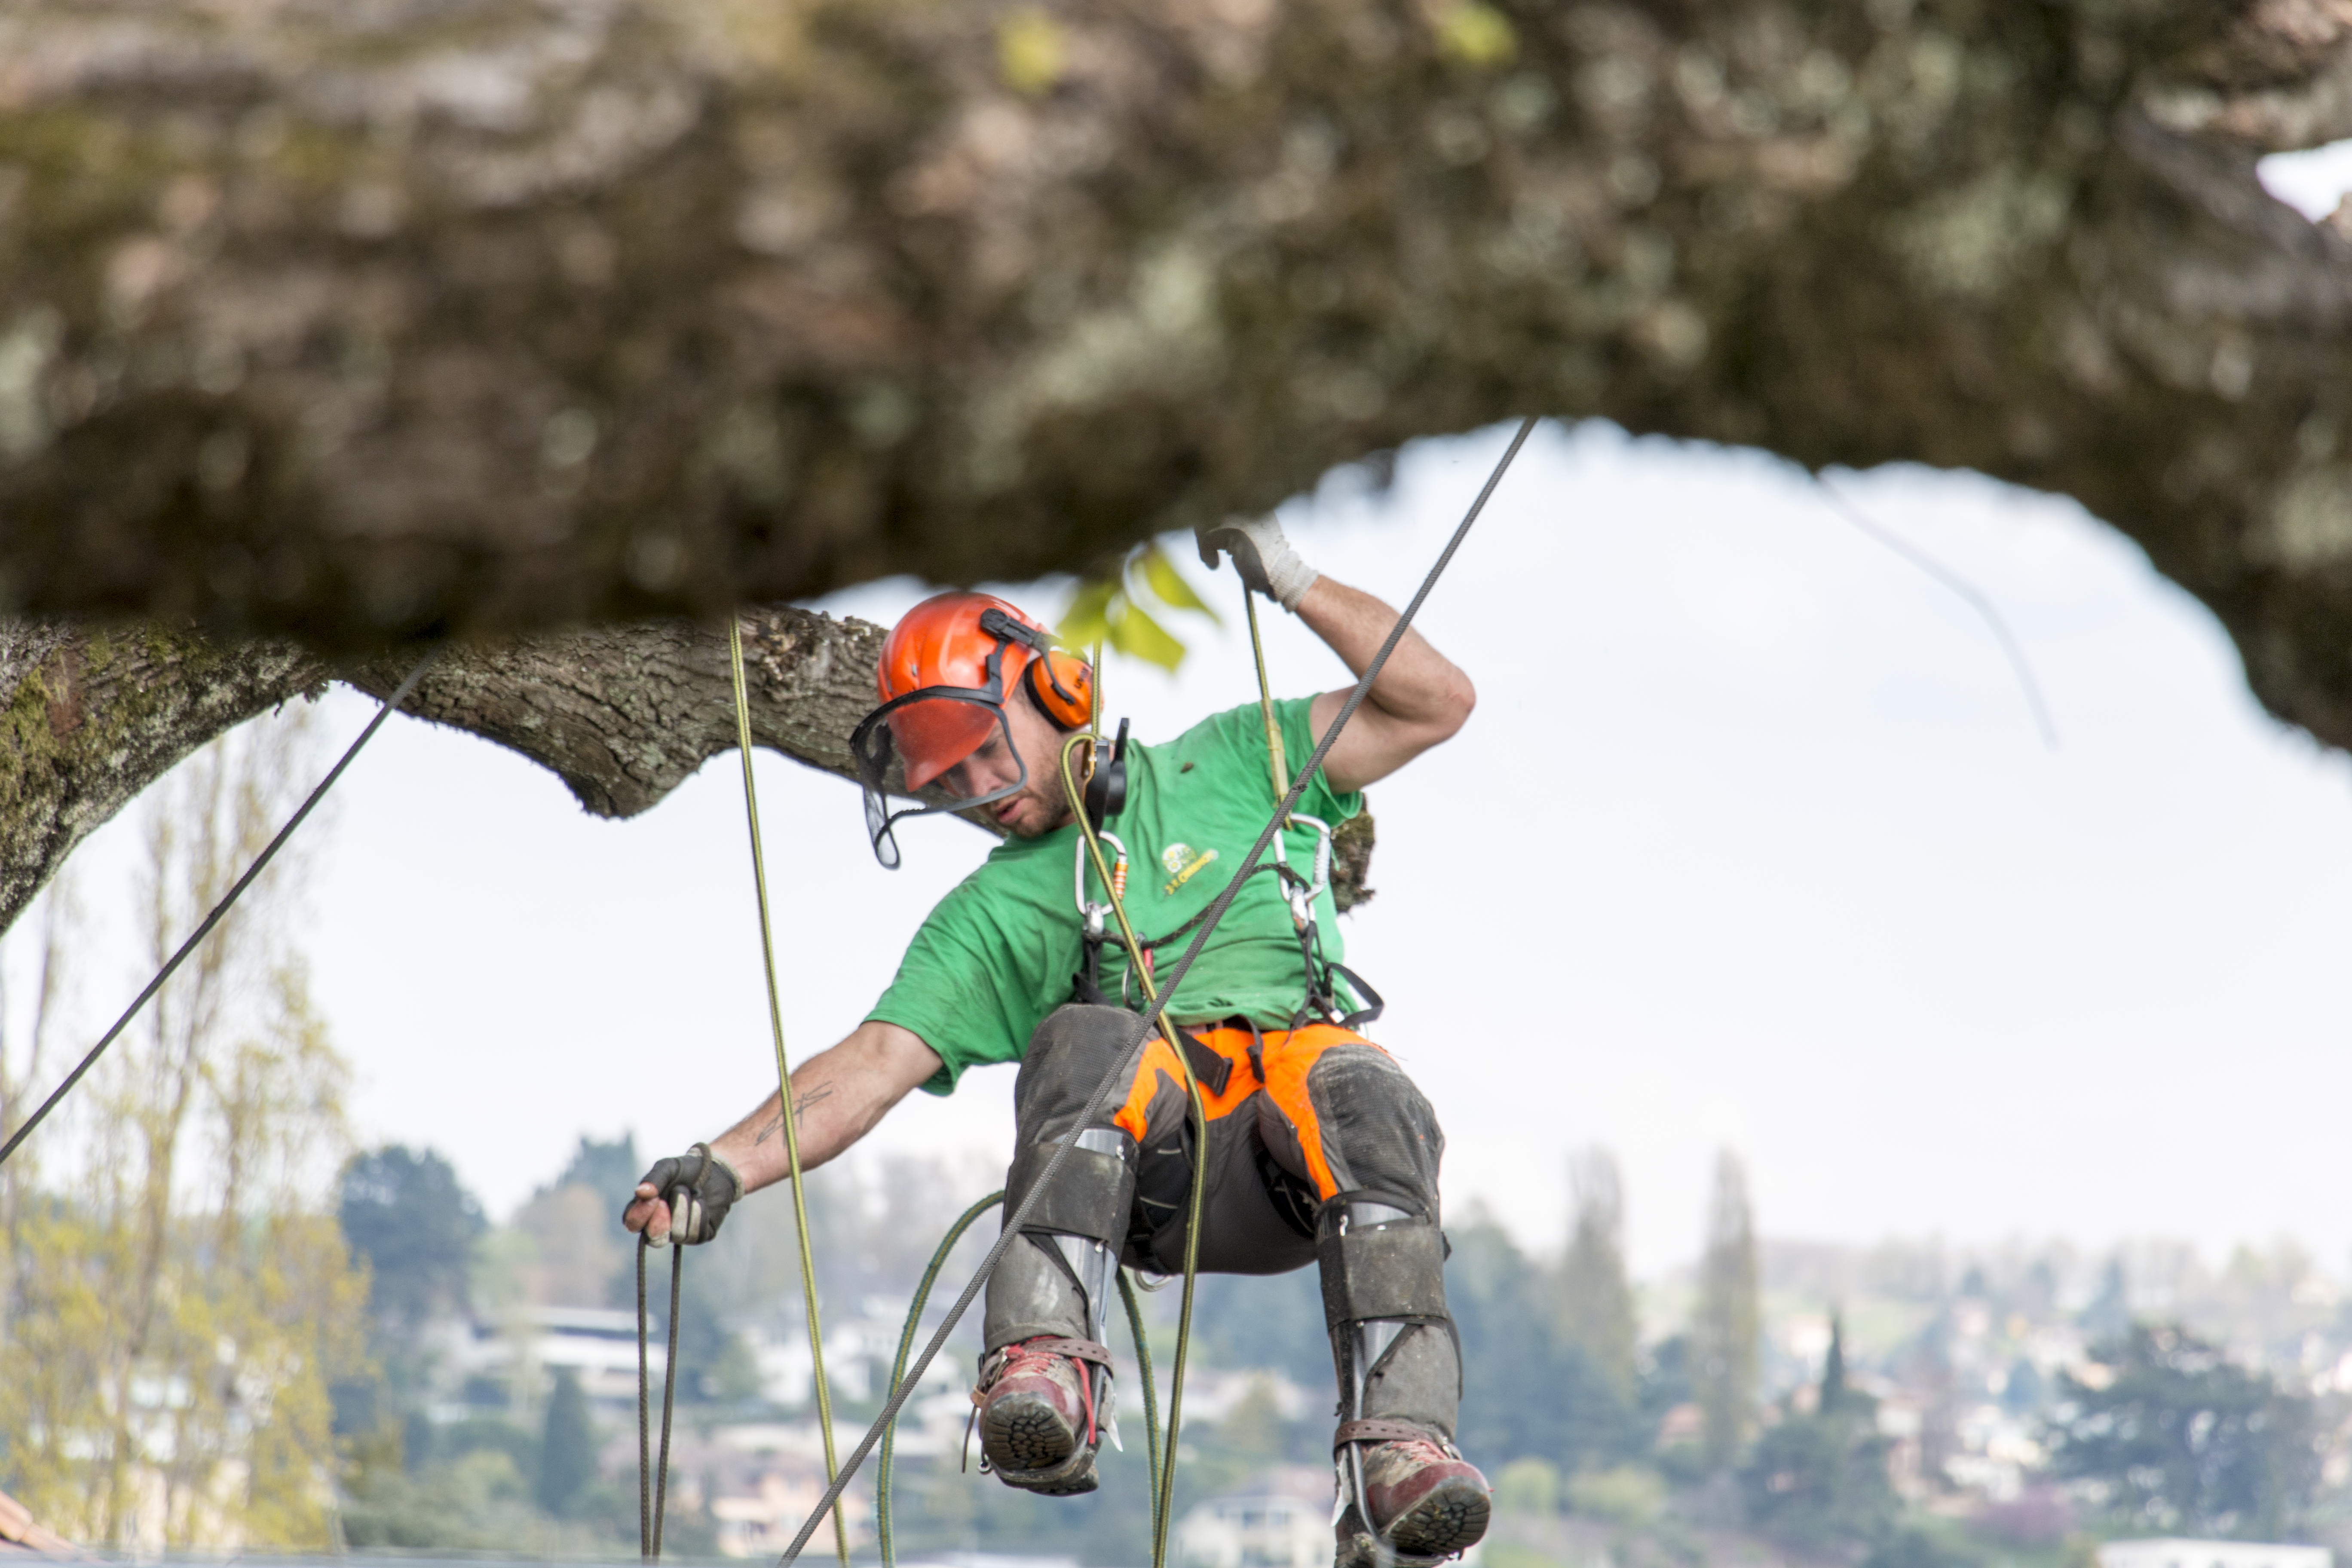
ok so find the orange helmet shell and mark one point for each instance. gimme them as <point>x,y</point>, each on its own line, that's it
<point>940,643</point>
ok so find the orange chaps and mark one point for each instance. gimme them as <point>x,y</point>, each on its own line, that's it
<point>1301,1123</point>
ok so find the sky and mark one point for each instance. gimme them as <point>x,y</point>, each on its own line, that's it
<point>1753,843</point>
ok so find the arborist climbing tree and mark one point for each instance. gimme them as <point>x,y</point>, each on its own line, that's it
<point>1318,1146</point>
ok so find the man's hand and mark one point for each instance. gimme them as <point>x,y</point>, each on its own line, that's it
<point>1262,557</point>
<point>684,1197</point>
<point>837,1096</point>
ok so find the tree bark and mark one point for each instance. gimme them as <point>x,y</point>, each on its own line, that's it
<point>349,322</point>
<point>622,714</point>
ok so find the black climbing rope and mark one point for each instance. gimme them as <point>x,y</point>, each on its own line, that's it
<point>1147,1020</point>
<point>650,1509</point>
<point>221,908</point>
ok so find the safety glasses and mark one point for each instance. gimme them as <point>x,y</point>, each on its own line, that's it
<point>935,721</point>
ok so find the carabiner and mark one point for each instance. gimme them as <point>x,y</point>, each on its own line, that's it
<point>1301,900</point>
<point>1091,912</point>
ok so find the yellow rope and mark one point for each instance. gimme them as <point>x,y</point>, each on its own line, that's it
<point>1166,1501</point>
<point>784,1081</point>
<point>1274,756</point>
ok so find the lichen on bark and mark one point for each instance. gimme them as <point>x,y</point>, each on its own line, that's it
<point>356,324</point>
<point>622,715</point>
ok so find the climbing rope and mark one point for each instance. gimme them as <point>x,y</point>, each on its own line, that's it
<point>1274,756</point>
<point>784,1108</point>
<point>1164,1478</point>
<point>884,1472</point>
<point>390,703</point>
<point>1149,1019</point>
<point>650,1511</point>
<point>1156,1456</point>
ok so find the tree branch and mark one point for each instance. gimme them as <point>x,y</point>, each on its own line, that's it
<point>622,714</point>
<point>427,317</point>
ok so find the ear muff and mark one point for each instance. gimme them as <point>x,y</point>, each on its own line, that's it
<point>1063,687</point>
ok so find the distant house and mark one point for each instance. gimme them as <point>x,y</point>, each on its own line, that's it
<point>1283,1521</point>
<point>598,1345</point>
<point>2171,1553</point>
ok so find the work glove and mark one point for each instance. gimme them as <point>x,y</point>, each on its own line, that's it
<point>1261,554</point>
<point>699,1188</point>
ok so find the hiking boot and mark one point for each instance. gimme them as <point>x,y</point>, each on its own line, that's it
<point>1427,1503</point>
<point>1037,1416</point>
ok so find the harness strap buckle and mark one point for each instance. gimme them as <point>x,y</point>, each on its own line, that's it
<point>993,1365</point>
<point>1212,1071</point>
<point>1372,1429</point>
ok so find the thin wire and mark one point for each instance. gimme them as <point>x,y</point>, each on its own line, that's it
<point>221,908</point>
<point>1147,1021</point>
<point>784,1081</point>
<point>1975,600</point>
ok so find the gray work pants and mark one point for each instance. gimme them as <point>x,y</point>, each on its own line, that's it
<point>1300,1118</point>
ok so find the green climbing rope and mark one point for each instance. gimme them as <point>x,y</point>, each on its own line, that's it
<point>883,1472</point>
<point>786,1114</point>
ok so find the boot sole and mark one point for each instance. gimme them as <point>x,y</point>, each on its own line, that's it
<point>1023,1434</point>
<point>1451,1520</point>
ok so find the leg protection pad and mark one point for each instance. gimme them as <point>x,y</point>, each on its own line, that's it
<point>1091,1195</point>
<point>1392,1272</point>
<point>1383,1271</point>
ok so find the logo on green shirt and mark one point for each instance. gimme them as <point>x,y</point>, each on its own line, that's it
<point>1183,864</point>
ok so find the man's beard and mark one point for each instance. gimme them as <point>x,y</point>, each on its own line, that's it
<point>1055,814</point>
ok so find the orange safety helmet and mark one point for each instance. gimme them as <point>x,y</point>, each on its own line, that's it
<point>945,672</point>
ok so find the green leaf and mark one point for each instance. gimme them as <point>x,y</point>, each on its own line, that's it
<point>1477,35</point>
<point>1139,635</point>
<point>1167,584</point>
<point>1089,619</point>
<point>1032,53</point>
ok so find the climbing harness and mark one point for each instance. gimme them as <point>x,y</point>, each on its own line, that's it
<point>1322,996</point>
<point>904,1384</point>
<point>391,704</point>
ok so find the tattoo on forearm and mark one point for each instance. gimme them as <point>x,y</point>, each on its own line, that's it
<point>800,1112</point>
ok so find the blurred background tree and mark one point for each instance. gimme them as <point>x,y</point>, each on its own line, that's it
<point>1727,1326</point>
<point>182,1297</point>
<point>2175,1438</point>
<point>1816,1481</point>
<point>1596,1297</point>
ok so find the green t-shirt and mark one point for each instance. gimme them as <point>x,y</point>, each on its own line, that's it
<point>1002,950</point>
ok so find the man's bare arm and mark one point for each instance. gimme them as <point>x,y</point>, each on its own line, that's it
<point>1420,699</point>
<point>838,1095</point>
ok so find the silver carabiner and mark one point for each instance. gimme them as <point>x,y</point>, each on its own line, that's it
<point>1089,911</point>
<point>1302,899</point>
